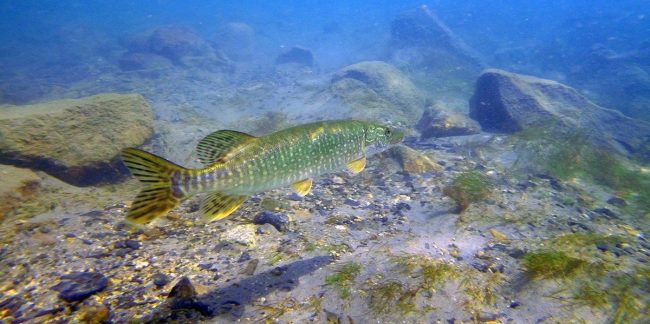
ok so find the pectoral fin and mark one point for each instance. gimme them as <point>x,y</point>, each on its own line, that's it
<point>357,166</point>
<point>218,205</point>
<point>302,187</point>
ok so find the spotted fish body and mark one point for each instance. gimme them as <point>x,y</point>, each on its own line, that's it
<point>239,165</point>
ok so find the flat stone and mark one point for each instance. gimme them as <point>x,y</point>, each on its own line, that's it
<point>616,201</point>
<point>410,160</point>
<point>78,286</point>
<point>240,234</point>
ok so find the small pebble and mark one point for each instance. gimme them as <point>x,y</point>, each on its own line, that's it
<point>279,220</point>
<point>616,201</point>
<point>160,279</point>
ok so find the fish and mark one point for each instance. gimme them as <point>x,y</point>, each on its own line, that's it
<point>238,165</point>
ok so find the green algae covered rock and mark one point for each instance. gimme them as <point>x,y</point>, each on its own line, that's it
<point>378,91</point>
<point>505,102</point>
<point>17,185</point>
<point>77,141</point>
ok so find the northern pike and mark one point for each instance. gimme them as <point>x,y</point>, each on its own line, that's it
<point>238,165</point>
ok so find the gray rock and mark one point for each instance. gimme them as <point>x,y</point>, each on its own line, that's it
<point>507,102</point>
<point>77,141</point>
<point>78,286</point>
<point>240,234</point>
<point>160,279</point>
<point>176,42</point>
<point>183,289</point>
<point>278,220</point>
<point>616,201</point>
<point>375,90</point>
<point>438,121</point>
<point>421,27</point>
<point>433,52</point>
<point>236,40</point>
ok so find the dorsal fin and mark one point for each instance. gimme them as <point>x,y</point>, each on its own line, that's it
<point>222,145</point>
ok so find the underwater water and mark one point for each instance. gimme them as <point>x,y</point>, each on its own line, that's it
<point>341,162</point>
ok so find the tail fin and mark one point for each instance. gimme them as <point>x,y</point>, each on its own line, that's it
<point>157,198</point>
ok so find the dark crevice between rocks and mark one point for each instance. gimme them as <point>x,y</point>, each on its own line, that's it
<point>81,176</point>
<point>487,108</point>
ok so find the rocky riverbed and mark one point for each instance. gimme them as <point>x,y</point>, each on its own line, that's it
<point>523,203</point>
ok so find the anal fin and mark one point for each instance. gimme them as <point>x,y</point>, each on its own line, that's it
<point>302,187</point>
<point>218,205</point>
<point>357,166</point>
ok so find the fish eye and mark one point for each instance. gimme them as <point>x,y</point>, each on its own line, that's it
<point>387,132</point>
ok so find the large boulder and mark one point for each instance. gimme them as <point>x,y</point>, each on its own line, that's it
<point>77,141</point>
<point>507,102</point>
<point>376,90</point>
<point>435,54</point>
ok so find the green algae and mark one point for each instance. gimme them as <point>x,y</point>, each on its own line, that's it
<point>343,278</point>
<point>397,296</point>
<point>467,188</point>
<point>481,291</point>
<point>391,296</point>
<point>594,279</point>
<point>571,154</point>
<point>552,265</point>
<point>581,240</point>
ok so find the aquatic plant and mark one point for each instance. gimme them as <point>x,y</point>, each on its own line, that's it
<point>435,273</point>
<point>570,154</point>
<point>314,303</point>
<point>481,291</point>
<point>591,294</point>
<point>343,278</point>
<point>467,188</point>
<point>551,265</point>
<point>580,240</point>
<point>392,295</point>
